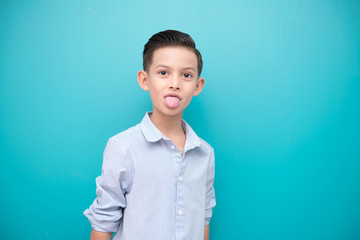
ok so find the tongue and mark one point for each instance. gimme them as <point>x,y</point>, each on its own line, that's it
<point>172,102</point>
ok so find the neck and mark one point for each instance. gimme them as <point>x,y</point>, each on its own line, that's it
<point>169,126</point>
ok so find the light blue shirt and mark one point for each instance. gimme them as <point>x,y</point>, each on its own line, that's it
<point>148,190</point>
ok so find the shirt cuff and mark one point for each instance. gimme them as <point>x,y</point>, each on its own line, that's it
<point>101,225</point>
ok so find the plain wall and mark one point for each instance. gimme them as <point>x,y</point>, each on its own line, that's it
<point>280,107</point>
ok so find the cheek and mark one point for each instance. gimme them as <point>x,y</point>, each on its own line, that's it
<point>155,94</point>
<point>191,89</point>
<point>189,96</point>
<point>156,85</point>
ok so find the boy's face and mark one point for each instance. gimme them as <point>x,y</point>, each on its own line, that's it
<point>172,80</point>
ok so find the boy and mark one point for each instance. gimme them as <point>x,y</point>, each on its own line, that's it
<point>157,177</point>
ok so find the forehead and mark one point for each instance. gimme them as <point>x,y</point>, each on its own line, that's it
<point>175,57</point>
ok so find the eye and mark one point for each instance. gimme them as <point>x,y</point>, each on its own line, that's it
<point>163,73</point>
<point>187,75</point>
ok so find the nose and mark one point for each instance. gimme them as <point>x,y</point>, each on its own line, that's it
<point>174,83</point>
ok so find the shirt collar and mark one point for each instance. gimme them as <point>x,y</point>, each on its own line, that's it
<point>152,134</point>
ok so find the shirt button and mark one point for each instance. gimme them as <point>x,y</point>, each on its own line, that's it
<point>180,212</point>
<point>172,147</point>
<point>180,179</point>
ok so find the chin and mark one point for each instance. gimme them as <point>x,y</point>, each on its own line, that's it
<point>172,112</point>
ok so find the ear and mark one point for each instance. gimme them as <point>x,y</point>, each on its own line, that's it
<point>143,80</point>
<point>199,86</point>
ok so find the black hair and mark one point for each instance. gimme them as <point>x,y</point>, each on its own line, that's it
<point>169,38</point>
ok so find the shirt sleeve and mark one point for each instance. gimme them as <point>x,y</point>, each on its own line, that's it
<point>111,187</point>
<point>210,191</point>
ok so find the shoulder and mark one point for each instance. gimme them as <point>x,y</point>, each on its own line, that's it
<point>209,153</point>
<point>206,146</point>
<point>127,136</point>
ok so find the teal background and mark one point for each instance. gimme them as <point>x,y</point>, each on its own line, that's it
<point>280,107</point>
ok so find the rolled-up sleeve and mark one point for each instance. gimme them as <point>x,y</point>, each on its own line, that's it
<point>111,187</point>
<point>210,191</point>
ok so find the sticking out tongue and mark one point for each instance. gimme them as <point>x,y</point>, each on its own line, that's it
<point>172,102</point>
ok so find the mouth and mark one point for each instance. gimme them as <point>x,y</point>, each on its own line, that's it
<point>172,100</point>
<point>173,95</point>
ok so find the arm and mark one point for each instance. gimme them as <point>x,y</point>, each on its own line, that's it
<point>95,235</point>
<point>206,232</point>
<point>115,181</point>
<point>210,194</point>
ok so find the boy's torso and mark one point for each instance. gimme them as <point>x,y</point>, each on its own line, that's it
<point>165,198</point>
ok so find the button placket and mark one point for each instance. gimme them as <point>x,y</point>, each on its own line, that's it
<point>180,208</point>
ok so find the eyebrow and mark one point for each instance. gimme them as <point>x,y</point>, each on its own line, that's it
<point>185,68</point>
